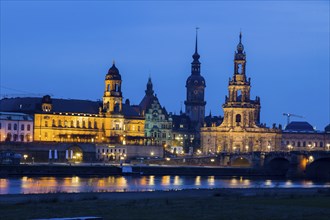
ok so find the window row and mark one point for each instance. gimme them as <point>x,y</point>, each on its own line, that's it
<point>74,124</point>
<point>14,127</point>
<point>305,144</point>
<point>16,137</point>
<point>111,150</point>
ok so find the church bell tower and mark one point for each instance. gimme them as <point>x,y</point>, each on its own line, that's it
<point>239,109</point>
<point>112,98</point>
<point>195,84</point>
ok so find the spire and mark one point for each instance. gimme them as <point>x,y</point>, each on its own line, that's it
<point>240,46</point>
<point>196,55</point>
<point>149,90</point>
<point>240,53</point>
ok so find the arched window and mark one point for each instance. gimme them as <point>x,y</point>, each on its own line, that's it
<point>59,123</point>
<point>116,109</point>
<point>89,124</point>
<point>15,127</point>
<point>108,88</point>
<point>238,96</point>
<point>84,124</point>
<point>53,123</point>
<point>22,127</point>
<point>8,138</point>
<point>46,123</point>
<point>78,125</point>
<point>9,126</point>
<point>28,127</point>
<point>15,137</point>
<point>239,68</point>
<point>72,124</point>
<point>238,119</point>
<point>28,138</point>
<point>22,137</point>
<point>95,124</point>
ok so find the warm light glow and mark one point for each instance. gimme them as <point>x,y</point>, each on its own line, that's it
<point>212,160</point>
<point>25,156</point>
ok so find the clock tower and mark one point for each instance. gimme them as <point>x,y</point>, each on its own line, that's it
<point>195,84</point>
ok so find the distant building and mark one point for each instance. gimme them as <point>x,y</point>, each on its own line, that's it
<point>158,123</point>
<point>301,136</point>
<point>69,120</point>
<point>240,130</point>
<point>108,153</point>
<point>16,127</point>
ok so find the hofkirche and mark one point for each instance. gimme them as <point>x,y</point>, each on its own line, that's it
<point>115,121</point>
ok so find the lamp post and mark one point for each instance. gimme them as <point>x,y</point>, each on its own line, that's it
<point>25,157</point>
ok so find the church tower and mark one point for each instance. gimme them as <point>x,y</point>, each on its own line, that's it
<point>239,109</point>
<point>195,84</point>
<point>112,98</point>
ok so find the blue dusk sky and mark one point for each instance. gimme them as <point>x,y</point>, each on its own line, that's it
<point>66,48</point>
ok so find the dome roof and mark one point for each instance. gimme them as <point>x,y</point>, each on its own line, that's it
<point>195,80</point>
<point>327,128</point>
<point>299,126</point>
<point>113,73</point>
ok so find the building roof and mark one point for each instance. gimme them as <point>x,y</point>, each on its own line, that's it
<point>14,116</point>
<point>299,126</point>
<point>31,105</point>
<point>327,129</point>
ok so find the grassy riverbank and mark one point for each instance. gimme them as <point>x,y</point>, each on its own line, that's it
<point>186,204</point>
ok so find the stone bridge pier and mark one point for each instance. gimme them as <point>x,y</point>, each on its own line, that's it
<point>294,164</point>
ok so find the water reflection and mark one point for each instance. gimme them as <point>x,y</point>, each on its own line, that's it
<point>139,183</point>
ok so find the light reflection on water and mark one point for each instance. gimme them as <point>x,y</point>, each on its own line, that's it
<point>29,185</point>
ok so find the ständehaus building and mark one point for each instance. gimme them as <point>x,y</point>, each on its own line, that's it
<point>70,120</point>
<point>240,130</point>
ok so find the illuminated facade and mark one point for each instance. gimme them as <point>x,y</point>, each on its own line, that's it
<point>240,130</point>
<point>301,136</point>
<point>69,120</point>
<point>16,127</point>
<point>158,123</point>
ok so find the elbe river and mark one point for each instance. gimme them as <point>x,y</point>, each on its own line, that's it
<point>35,185</point>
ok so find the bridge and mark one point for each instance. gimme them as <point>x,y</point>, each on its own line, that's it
<point>293,164</point>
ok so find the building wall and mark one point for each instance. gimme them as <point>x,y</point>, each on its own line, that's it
<point>306,141</point>
<point>106,152</point>
<point>69,127</point>
<point>215,140</point>
<point>16,127</point>
<point>158,126</point>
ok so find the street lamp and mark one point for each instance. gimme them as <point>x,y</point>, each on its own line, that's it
<point>25,157</point>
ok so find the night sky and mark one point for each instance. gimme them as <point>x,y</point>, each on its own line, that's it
<point>66,48</point>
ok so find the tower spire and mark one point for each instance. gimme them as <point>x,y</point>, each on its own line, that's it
<point>196,46</point>
<point>196,55</point>
<point>149,90</point>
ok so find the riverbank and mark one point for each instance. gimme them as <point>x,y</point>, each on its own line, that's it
<point>254,203</point>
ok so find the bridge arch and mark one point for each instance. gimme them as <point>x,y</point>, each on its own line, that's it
<point>319,169</point>
<point>241,161</point>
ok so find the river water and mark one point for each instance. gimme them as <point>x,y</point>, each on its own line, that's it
<point>35,185</point>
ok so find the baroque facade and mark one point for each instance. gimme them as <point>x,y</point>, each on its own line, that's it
<point>158,123</point>
<point>240,130</point>
<point>69,120</point>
